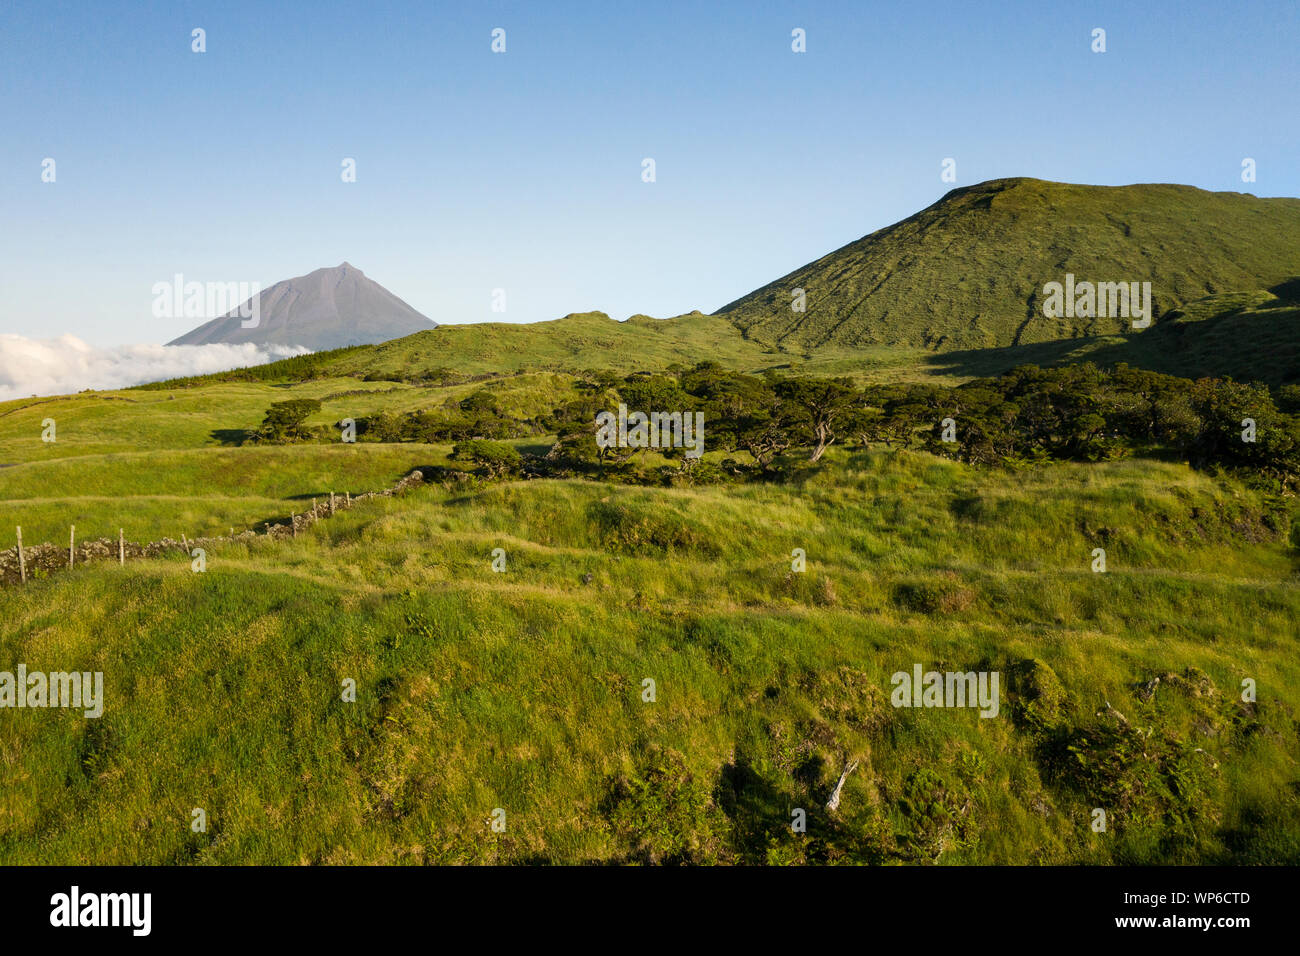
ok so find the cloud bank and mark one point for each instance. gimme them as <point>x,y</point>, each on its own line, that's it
<point>67,364</point>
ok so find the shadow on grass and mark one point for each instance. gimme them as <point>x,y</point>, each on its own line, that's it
<point>231,437</point>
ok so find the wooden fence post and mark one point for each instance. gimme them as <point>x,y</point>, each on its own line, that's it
<point>72,541</point>
<point>121,547</point>
<point>22,564</point>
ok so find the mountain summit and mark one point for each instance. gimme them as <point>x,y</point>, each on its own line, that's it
<point>969,271</point>
<point>325,309</point>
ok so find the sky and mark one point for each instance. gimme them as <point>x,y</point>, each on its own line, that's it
<point>523,170</point>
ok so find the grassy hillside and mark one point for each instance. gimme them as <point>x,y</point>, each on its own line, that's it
<point>1245,335</point>
<point>582,340</point>
<point>968,272</point>
<point>962,279</point>
<point>522,690</point>
<point>579,342</point>
<point>158,463</point>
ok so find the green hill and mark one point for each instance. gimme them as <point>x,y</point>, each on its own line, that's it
<point>952,293</point>
<point>521,690</point>
<point>577,341</point>
<point>1248,336</point>
<point>968,272</point>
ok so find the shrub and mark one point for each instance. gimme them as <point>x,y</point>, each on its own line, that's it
<point>1037,697</point>
<point>633,527</point>
<point>284,420</point>
<point>664,814</point>
<point>944,594</point>
<point>496,458</point>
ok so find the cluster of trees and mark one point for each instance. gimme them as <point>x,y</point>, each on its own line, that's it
<point>1083,413</point>
<point>1079,412</point>
<point>296,368</point>
<point>765,416</point>
<point>478,415</point>
<point>1030,414</point>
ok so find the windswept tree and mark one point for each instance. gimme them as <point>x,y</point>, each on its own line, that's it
<point>814,410</point>
<point>764,439</point>
<point>494,457</point>
<point>740,411</point>
<point>654,393</point>
<point>284,420</point>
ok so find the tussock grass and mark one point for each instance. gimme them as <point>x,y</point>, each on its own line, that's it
<point>522,690</point>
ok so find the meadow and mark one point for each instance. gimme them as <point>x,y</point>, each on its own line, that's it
<point>522,690</point>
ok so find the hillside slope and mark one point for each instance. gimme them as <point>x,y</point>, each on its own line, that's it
<point>1247,336</point>
<point>577,341</point>
<point>968,271</point>
<point>523,690</point>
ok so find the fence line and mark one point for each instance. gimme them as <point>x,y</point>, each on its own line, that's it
<point>47,557</point>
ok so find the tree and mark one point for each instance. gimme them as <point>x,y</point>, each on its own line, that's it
<point>496,458</point>
<point>284,420</point>
<point>764,440</point>
<point>812,407</point>
<point>384,427</point>
<point>740,410</point>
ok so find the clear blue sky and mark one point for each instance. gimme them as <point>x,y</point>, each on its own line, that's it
<point>523,170</point>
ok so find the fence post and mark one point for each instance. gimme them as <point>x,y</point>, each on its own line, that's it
<point>72,541</point>
<point>121,547</point>
<point>293,520</point>
<point>22,564</point>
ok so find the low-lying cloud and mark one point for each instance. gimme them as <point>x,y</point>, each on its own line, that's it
<point>67,364</point>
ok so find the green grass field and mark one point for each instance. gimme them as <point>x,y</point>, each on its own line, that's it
<point>522,690</point>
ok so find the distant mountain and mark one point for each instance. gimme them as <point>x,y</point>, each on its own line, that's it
<point>325,309</point>
<point>968,272</point>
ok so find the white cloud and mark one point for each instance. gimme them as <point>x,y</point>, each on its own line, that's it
<point>67,364</point>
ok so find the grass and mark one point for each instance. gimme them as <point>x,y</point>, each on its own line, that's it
<point>560,349</point>
<point>1248,336</point>
<point>968,272</point>
<point>523,690</point>
<point>157,463</point>
<point>152,495</point>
